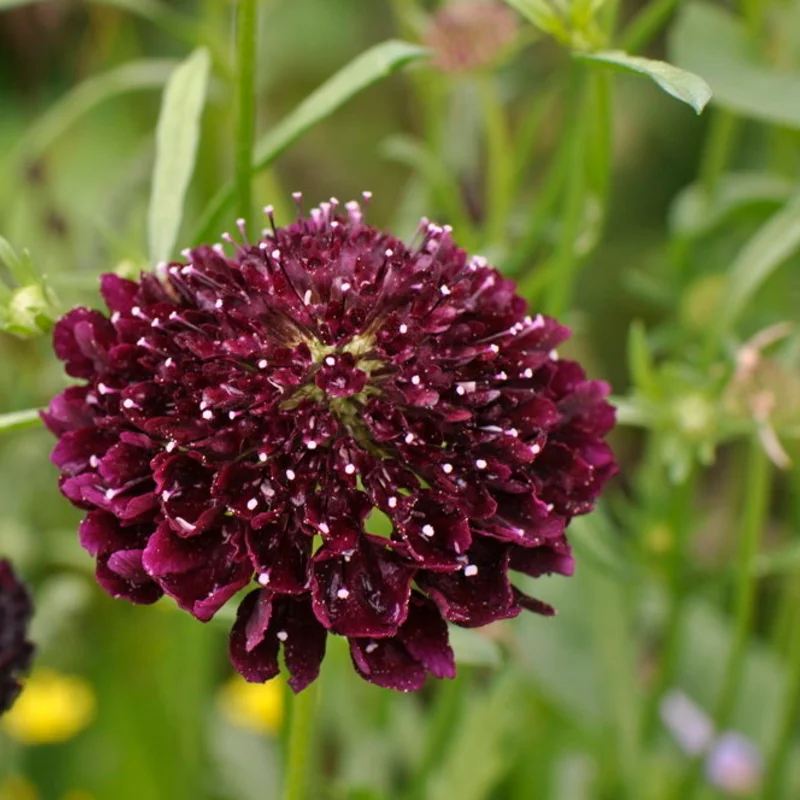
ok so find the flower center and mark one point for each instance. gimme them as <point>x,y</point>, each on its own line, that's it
<point>340,378</point>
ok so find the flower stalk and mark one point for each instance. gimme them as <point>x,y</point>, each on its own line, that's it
<point>300,744</point>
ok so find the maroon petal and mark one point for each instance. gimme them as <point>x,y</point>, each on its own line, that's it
<point>263,622</point>
<point>479,593</point>
<point>364,593</point>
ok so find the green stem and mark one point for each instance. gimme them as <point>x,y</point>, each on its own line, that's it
<point>775,774</point>
<point>680,516</point>
<point>246,40</point>
<point>299,749</point>
<point>566,255</point>
<point>646,24</point>
<point>719,145</point>
<point>499,168</point>
<point>755,492</point>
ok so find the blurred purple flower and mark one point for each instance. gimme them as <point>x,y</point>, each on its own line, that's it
<point>16,651</point>
<point>241,417</point>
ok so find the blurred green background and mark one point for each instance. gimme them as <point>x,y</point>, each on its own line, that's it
<point>667,240</point>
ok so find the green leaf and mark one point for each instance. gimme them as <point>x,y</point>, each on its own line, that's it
<point>16,420</point>
<point>726,60</point>
<point>366,69</point>
<point>680,83</point>
<point>694,212</point>
<point>773,243</point>
<point>177,137</point>
<point>62,115</point>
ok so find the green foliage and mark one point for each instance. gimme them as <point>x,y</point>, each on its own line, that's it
<point>686,86</point>
<point>177,138</point>
<point>669,246</point>
<point>739,81</point>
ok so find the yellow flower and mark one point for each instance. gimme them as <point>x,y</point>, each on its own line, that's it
<point>17,787</point>
<point>52,708</point>
<point>255,706</point>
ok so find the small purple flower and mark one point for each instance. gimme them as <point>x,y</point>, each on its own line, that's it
<point>241,417</point>
<point>16,651</point>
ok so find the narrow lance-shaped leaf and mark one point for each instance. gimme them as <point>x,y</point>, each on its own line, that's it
<point>371,66</point>
<point>776,240</point>
<point>19,419</point>
<point>683,85</point>
<point>177,137</point>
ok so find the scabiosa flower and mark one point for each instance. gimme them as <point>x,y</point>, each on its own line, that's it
<point>243,414</point>
<point>16,651</point>
<point>467,36</point>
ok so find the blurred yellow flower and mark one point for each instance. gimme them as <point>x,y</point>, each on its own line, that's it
<point>52,708</point>
<point>257,707</point>
<point>17,787</point>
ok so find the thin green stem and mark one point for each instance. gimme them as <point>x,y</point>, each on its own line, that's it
<point>719,145</point>
<point>246,40</point>
<point>566,255</point>
<point>680,516</point>
<point>755,507</point>
<point>299,748</point>
<point>775,774</point>
<point>499,167</point>
<point>647,24</point>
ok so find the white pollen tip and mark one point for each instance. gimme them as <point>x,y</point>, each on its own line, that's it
<point>330,361</point>
<point>208,414</point>
<point>324,527</point>
<point>282,636</point>
<point>350,469</point>
<point>481,464</point>
<point>416,380</point>
<point>447,468</point>
<point>536,449</point>
<point>343,594</point>
<point>262,364</point>
<point>262,457</point>
<point>252,504</point>
<point>470,570</point>
<point>494,348</point>
<point>263,578</point>
<point>345,287</point>
<point>403,328</point>
<point>389,253</point>
<point>445,290</point>
<point>128,403</point>
<point>276,253</point>
<point>312,445</point>
<point>290,474</point>
<point>371,648</point>
<point>427,530</point>
<point>392,501</point>
<point>409,438</point>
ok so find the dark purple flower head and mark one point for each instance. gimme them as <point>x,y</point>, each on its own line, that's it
<point>242,418</point>
<point>15,649</point>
